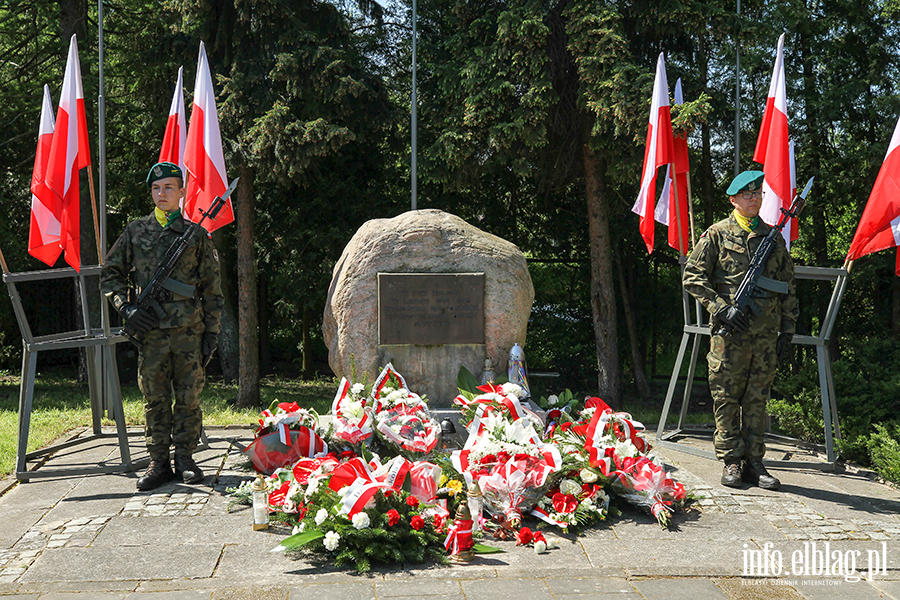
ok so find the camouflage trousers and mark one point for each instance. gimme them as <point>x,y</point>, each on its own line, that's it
<point>740,376</point>
<point>169,364</point>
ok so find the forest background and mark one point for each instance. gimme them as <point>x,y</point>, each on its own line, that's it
<point>532,117</point>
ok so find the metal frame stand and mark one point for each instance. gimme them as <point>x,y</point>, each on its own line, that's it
<point>103,378</point>
<point>696,327</point>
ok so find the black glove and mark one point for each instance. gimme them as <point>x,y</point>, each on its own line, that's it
<point>208,344</point>
<point>734,318</point>
<point>138,319</point>
<point>783,345</point>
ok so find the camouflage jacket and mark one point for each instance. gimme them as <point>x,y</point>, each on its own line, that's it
<point>718,263</point>
<point>137,254</point>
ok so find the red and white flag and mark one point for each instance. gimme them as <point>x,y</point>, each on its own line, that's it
<point>657,152</point>
<point>176,129</point>
<point>69,152</point>
<point>773,149</point>
<point>203,156</point>
<point>46,207</point>
<point>879,227</point>
<point>675,215</point>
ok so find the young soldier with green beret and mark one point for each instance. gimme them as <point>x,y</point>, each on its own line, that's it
<point>175,350</point>
<point>741,372</point>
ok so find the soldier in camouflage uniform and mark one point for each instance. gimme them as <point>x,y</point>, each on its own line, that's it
<point>176,349</point>
<point>741,372</point>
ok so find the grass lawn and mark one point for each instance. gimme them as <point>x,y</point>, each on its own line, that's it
<point>61,404</point>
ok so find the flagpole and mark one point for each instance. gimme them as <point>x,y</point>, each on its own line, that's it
<point>100,225</point>
<point>677,211</point>
<point>691,209</point>
<point>96,219</point>
<point>3,263</point>
<point>737,99</point>
<point>414,124</point>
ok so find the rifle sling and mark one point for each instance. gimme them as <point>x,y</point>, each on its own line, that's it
<point>187,291</point>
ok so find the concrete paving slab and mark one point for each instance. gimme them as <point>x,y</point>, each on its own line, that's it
<point>133,563</point>
<point>594,586</point>
<point>253,593</point>
<point>667,557</point>
<point>357,590</point>
<point>891,589</point>
<point>38,494</point>
<point>251,563</point>
<point>15,523</point>
<point>506,589</point>
<point>417,588</point>
<point>180,595</point>
<point>757,589</point>
<point>679,589</point>
<point>834,589</point>
<point>46,587</point>
<point>696,526</point>
<point>80,596</point>
<point>166,531</point>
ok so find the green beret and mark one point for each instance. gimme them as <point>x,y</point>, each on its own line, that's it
<point>748,181</point>
<point>163,170</point>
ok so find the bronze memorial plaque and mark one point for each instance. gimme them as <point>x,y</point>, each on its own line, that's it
<point>430,308</point>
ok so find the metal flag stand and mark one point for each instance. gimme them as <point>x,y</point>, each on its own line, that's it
<point>103,377</point>
<point>694,326</point>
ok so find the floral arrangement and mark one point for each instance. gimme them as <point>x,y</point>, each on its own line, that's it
<point>402,419</point>
<point>285,434</point>
<point>359,512</point>
<point>605,446</point>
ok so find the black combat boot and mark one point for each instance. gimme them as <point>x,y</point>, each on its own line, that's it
<point>158,473</point>
<point>731,475</point>
<point>187,469</point>
<point>756,474</point>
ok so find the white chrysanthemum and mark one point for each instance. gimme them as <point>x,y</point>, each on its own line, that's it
<point>361,520</point>
<point>332,539</point>
<point>540,547</point>
<point>298,529</point>
<point>321,516</point>
<point>357,388</point>
<point>570,486</point>
<point>512,389</point>
<point>588,413</point>
<point>553,400</point>
<point>588,476</point>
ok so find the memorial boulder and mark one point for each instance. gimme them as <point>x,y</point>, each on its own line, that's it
<point>429,293</point>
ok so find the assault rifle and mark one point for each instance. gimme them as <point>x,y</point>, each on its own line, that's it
<point>153,293</point>
<point>744,298</point>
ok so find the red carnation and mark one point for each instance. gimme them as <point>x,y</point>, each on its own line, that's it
<point>503,456</point>
<point>438,523</point>
<point>417,522</point>
<point>522,456</point>
<point>523,536</point>
<point>347,454</point>
<point>412,501</point>
<point>564,503</point>
<point>393,517</point>
<point>539,537</point>
<point>490,458</point>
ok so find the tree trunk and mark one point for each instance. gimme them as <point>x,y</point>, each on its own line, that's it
<point>265,347</point>
<point>248,317</point>
<point>229,355</point>
<point>307,351</point>
<point>637,358</point>
<point>603,302</point>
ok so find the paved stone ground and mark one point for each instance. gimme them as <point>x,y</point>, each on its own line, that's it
<point>96,537</point>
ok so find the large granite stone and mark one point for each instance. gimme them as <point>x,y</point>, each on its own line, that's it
<point>424,241</point>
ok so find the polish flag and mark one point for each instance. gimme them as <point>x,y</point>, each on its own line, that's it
<point>203,156</point>
<point>69,152</point>
<point>773,150</point>
<point>46,208</point>
<point>675,215</point>
<point>176,130</point>
<point>879,227</point>
<point>658,151</point>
